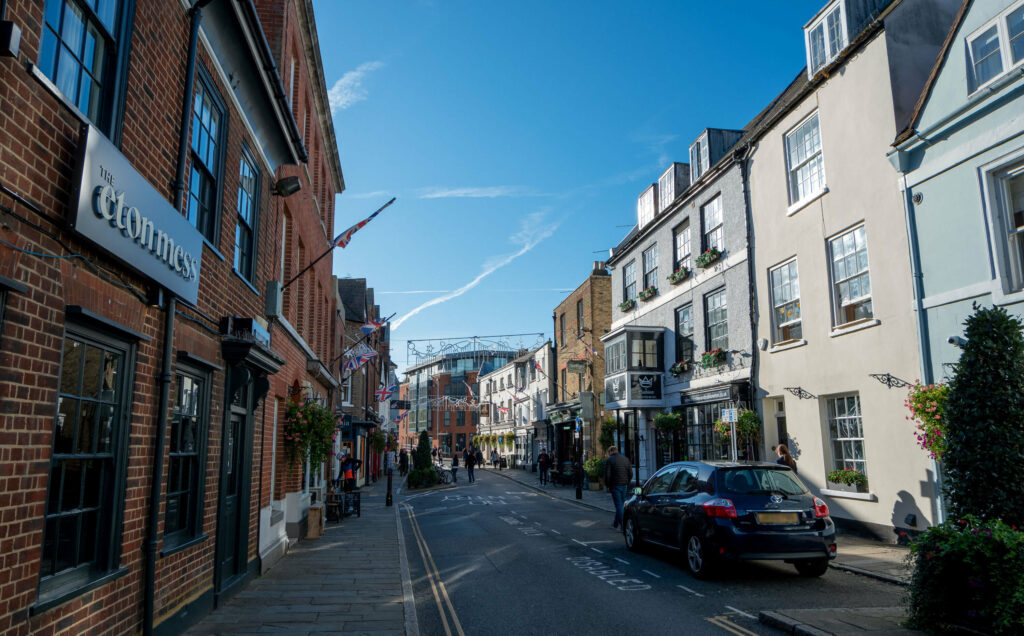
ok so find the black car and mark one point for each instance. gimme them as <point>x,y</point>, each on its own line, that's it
<point>717,511</point>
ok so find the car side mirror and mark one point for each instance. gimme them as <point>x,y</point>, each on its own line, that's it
<point>638,491</point>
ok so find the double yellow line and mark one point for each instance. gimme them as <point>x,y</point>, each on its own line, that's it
<point>436,584</point>
<point>729,626</point>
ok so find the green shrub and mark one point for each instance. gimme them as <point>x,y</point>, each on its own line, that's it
<point>415,478</point>
<point>606,437</point>
<point>421,456</point>
<point>594,467</point>
<point>985,412</point>
<point>967,573</point>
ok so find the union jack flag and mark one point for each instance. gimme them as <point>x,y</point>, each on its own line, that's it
<point>384,393</point>
<point>371,326</point>
<point>397,418</point>
<point>502,409</point>
<point>540,368</point>
<point>343,239</point>
<point>359,360</point>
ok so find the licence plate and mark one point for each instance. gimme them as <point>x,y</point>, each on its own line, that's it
<point>776,517</point>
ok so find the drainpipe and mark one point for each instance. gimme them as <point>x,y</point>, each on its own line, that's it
<point>744,159</point>
<point>554,354</point>
<point>923,349</point>
<point>165,377</point>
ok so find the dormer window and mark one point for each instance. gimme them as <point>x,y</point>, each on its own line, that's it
<point>996,47</point>
<point>825,37</point>
<point>645,205</point>
<point>700,157</point>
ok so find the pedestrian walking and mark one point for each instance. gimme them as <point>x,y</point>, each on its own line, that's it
<point>784,457</point>
<point>403,463</point>
<point>470,464</point>
<point>479,458</point>
<point>616,475</point>
<point>433,453</point>
<point>543,463</point>
<point>455,467</point>
<point>494,458</point>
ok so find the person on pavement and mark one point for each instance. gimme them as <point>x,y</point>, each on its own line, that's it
<point>403,463</point>
<point>455,467</point>
<point>616,475</point>
<point>479,458</point>
<point>470,464</point>
<point>784,457</point>
<point>494,458</point>
<point>543,463</point>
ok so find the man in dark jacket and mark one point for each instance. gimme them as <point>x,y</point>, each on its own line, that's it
<point>617,476</point>
<point>543,463</point>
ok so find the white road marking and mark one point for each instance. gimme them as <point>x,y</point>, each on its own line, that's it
<point>741,613</point>
<point>598,551</point>
<point>621,560</point>
<point>607,574</point>
<point>580,542</point>
<point>555,531</point>
<point>695,593</point>
<point>651,573</point>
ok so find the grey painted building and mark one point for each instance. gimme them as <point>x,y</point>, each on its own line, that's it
<point>659,338</point>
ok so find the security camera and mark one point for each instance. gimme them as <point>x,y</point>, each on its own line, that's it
<point>956,341</point>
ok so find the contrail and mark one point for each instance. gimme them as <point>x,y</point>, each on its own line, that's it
<point>526,236</point>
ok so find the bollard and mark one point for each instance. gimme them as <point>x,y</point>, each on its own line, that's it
<point>387,501</point>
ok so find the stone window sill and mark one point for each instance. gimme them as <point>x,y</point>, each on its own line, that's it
<point>806,201</point>
<point>842,494</point>
<point>787,345</point>
<point>855,326</point>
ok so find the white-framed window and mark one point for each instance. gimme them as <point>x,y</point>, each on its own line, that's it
<point>667,188</point>
<point>996,47</point>
<point>711,219</point>
<point>804,163</point>
<point>785,286</point>
<point>629,281</point>
<point>851,281</point>
<point>684,333</point>
<point>716,319</point>
<point>651,266</point>
<point>681,246</point>
<point>825,37</point>
<point>615,359</point>
<point>700,157</point>
<point>1008,192</point>
<point>846,433</point>
<point>645,205</point>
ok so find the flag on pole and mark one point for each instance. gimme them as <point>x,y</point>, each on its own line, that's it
<point>502,409</point>
<point>469,388</point>
<point>398,417</point>
<point>345,237</point>
<point>371,326</point>
<point>384,393</point>
<point>359,360</point>
<point>589,348</point>
<point>540,368</point>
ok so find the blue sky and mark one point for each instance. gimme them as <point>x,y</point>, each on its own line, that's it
<point>517,136</point>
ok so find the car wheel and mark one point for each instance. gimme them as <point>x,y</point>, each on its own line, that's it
<point>698,561</point>
<point>631,532</point>
<point>811,567</point>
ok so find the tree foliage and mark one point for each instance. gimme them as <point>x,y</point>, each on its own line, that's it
<point>421,456</point>
<point>985,410</point>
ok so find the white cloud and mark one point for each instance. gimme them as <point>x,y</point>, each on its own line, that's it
<point>349,89</point>
<point>533,230</point>
<point>471,193</point>
<point>370,195</point>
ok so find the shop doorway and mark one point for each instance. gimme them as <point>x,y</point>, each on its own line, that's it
<point>235,478</point>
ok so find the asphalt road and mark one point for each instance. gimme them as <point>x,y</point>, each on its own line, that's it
<point>496,558</point>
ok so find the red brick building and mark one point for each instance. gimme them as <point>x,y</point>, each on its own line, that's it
<point>142,214</point>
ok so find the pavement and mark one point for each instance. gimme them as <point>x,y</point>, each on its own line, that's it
<point>858,555</point>
<point>353,580</point>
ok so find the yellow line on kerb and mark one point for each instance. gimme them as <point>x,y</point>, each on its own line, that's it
<point>436,584</point>
<point>729,626</point>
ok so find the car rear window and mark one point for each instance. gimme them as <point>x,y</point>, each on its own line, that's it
<point>749,481</point>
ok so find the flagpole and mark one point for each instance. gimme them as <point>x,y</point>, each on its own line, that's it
<point>330,249</point>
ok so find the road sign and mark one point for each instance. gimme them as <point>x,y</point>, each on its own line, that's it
<point>730,415</point>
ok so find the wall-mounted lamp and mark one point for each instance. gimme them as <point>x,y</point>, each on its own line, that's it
<point>287,186</point>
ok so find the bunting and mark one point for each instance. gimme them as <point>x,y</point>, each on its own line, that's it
<point>359,360</point>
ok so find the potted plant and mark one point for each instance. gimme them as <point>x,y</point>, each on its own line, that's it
<point>848,480</point>
<point>648,293</point>
<point>679,368</point>
<point>708,258</point>
<point>712,358</point>
<point>679,275</point>
<point>627,305</point>
<point>594,467</point>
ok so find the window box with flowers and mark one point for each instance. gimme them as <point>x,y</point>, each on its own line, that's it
<point>680,368</point>
<point>713,358</point>
<point>708,258</point>
<point>627,305</point>
<point>679,275</point>
<point>648,293</point>
<point>847,480</point>
<point>309,432</point>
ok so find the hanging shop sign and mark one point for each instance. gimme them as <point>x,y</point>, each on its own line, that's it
<point>645,386</point>
<point>116,208</point>
<point>615,388</point>
<point>576,366</point>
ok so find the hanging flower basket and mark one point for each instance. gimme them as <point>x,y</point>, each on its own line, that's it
<point>927,405</point>
<point>748,426</point>
<point>708,258</point>
<point>627,305</point>
<point>669,422</point>
<point>713,358</point>
<point>309,431</point>
<point>680,368</point>
<point>679,275</point>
